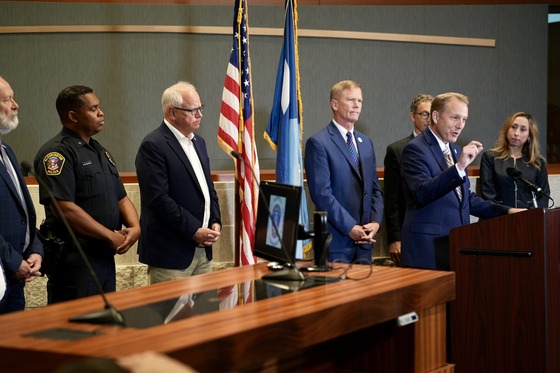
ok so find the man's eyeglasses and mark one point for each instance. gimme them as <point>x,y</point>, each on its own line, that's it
<point>423,115</point>
<point>191,111</point>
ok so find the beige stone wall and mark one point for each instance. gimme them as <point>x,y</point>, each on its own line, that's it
<point>131,273</point>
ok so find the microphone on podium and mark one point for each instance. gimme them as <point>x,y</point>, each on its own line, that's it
<point>107,316</point>
<point>515,174</point>
<point>289,274</point>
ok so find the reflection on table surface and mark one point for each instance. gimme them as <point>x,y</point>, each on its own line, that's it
<point>189,305</point>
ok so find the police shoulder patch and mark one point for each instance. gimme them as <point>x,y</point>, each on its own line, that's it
<point>53,163</point>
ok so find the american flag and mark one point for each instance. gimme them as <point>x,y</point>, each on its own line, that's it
<point>236,127</point>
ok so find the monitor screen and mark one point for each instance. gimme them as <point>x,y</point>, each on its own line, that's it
<point>283,204</point>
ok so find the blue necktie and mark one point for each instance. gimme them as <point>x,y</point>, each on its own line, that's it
<point>352,148</point>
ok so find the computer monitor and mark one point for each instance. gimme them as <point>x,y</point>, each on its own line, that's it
<point>280,202</point>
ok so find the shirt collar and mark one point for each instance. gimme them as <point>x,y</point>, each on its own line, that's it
<point>343,131</point>
<point>442,145</point>
<point>177,133</point>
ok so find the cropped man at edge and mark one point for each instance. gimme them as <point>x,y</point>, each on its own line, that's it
<point>84,179</point>
<point>21,252</point>
<point>180,214</point>
<point>394,203</point>
<point>342,178</point>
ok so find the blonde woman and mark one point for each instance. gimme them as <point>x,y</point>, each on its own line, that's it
<point>518,147</point>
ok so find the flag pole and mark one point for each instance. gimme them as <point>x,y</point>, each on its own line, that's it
<point>238,218</point>
<point>235,134</point>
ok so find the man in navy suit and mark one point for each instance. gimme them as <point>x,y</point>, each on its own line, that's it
<point>394,203</point>
<point>20,249</point>
<point>342,178</point>
<point>438,196</point>
<point>180,214</point>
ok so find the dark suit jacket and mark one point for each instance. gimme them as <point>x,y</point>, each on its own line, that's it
<point>336,185</point>
<point>394,204</point>
<point>432,206</point>
<point>13,222</point>
<point>172,206</point>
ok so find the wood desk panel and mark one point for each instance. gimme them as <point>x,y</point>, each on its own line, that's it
<point>251,336</point>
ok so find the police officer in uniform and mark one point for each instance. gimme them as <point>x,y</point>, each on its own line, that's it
<point>85,181</point>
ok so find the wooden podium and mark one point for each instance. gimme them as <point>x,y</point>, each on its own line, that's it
<point>506,316</point>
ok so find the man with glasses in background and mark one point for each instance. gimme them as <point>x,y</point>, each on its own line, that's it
<point>393,196</point>
<point>180,214</point>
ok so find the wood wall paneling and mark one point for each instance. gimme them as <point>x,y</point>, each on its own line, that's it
<point>308,2</point>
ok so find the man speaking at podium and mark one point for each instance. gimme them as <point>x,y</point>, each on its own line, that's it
<point>437,188</point>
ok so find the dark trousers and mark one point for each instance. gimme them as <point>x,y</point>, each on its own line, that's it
<point>14,299</point>
<point>71,278</point>
<point>354,254</point>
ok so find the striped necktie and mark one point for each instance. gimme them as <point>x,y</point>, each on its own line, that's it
<point>450,163</point>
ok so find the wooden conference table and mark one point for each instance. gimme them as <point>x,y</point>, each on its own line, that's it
<point>343,326</point>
